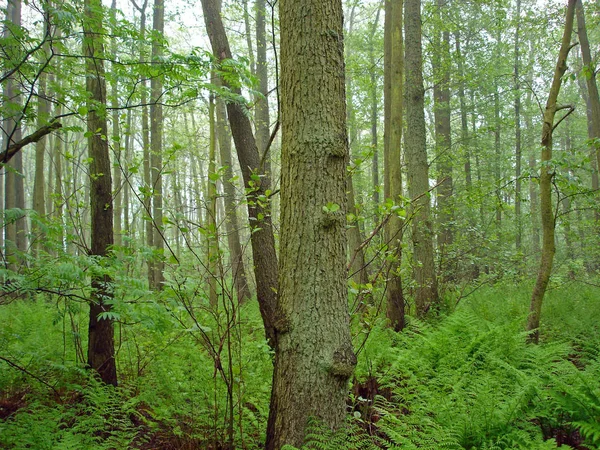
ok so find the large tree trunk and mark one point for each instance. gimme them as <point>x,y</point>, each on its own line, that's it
<point>426,293</point>
<point>256,182</point>
<point>546,175</point>
<point>156,138</point>
<point>101,349</point>
<point>314,357</point>
<point>393,169</point>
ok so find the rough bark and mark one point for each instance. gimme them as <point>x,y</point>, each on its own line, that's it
<point>314,356</point>
<point>426,293</point>
<point>101,349</point>
<point>546,175</point>
<point>394,293</point>
<point>255,181</point>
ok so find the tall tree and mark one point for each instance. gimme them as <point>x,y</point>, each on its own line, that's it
<point>546,176</point>
<point>314,357</point>
<point>156,145</point>
<point>518,156</point>
<point>101,348</point>
<point>426,293</point>
<point>442,119</point>
<point>14,194</point>
<point>256,182</point>
<point>393,166</point>
<point>261,119</point>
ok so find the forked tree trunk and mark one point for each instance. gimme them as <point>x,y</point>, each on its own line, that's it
<point>314,357</point>
<point>101,348</point>
<point>546,175</point>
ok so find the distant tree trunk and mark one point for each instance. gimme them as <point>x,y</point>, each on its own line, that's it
<point>464,124</point>
<point>518,156</point>
<point>387,104</point>
<point>236,255</point>
<point>255,181</point>
<point>126,188</point>
<point>43,111</point>
<point>546,175</point>
<point>497,156</point>
<point>14,193</point>
<point>248,36</point>
<point>261,119</point>
<point>314,357</point>
<point>101,348</point>
<point>592,99</point>
<point>156,143</point>
<point>375,110</point>
<point>212,235</point>
<point>393,169</point>
<point>426,293</point>
<point>116,138</point>
<point>443,133</point>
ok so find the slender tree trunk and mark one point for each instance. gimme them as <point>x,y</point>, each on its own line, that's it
<point>255,181</point>
<point>518,156</point>
<point>236,255</point>
<point>101,349</point>
<point>375,110</point>
<point>592,100</point>
<point>116,139</point>
<point>13,191</point>
<point>426,293</point>
<point>211,205</point>
<point>497,154</point>
<point>314,357</point>
<point>156,143</point>
<point>261,119</point>
<point>464,124</point>
<point>442,118</point>
<point>395,296</point>
<point>546,175</point>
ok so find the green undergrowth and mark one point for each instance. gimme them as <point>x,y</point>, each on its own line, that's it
<point>468,380</point>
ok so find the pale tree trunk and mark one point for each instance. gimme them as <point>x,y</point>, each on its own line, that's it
<point>101,348</point>
<point>546,175</point>
<point>156,143</point>
<point>212,236</point>
<point>147,189</point>
<point>518,156</point>
<point>255,181</point>
<point>236,254</point>
<point>497,158</point>
<point>464,123</point>
<point>358,268</point>
<point>13,192</point>
<point>116,140</point>
<point>43,110</point>
<point>426,293</point>
<point>393,169</point>
<point>387,104</point>
<point>126,187</point>
<point>592,100</point>
<point>375,110</point>
<point>314,357</point>
<point>248,36</point>
<point>443,142</point>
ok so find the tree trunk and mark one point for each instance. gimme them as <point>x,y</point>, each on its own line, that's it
<point>236,254</point>
<point>394,294</point>
<point>212,235</point>
<point>426,293</point>
<point>261,119</point>
<point>442,118</point>
<point>257,184</point>
<point>156,138</point>
<point>116,139</point>
<point>518,156</point>
<point>546,175</point>
<point>464,124</point>
<point>14,190</point>
<point>314,357</point>
<point>375,110</point>
<point>101,349</point>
